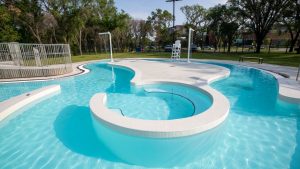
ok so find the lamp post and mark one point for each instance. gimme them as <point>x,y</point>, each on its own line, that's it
<point>174,30</point>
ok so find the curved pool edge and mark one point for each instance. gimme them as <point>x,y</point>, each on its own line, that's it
<point>159,128</point>
<point>288,89</point>
<point>10,106</point>
<point>202,122</point>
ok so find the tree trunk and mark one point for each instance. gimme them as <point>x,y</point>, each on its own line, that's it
<point>229,44</point>
<point>293,42</point>
<point>229,47</point>
<point>259,41</point>
<point>80,40</point>
<point>95,48</point>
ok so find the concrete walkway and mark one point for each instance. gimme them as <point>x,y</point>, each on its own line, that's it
<point>191,73</point>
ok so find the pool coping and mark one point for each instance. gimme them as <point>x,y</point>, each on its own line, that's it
<point>161,128</point>
<point>202,122</point>
<point>8,107</point>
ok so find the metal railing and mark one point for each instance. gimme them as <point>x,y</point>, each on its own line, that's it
<point>18,60</point>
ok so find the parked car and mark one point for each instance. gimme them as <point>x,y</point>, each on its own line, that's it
<point>208,48</point>
<point>194,48</point>
<point>168,48</point>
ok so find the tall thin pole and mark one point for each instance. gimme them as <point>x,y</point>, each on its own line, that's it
<point>189,45</point>
<point>110,44</point>
<point>174,29</point>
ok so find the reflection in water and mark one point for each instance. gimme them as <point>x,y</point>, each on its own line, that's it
<point>152,152</point>
<point>73,127</point>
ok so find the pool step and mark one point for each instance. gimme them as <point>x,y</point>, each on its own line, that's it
<point>8,107</point>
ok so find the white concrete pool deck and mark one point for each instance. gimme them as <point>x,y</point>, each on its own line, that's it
<point>147,72</point>
<point>198,75</point>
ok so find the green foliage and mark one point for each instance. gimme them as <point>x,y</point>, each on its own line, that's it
<point>160,21</point>
<point>260,15</point>
<point>223,23</point>
<point>195,15</point>
<point>195,19</point>
<point>291,20</point>
<point>8,32</point>
<point>78,23</point>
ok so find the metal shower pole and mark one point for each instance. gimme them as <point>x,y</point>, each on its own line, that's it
<point>110,44</point>
<point>189,45</point>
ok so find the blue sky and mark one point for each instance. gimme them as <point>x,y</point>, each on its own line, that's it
<point>141,9</point>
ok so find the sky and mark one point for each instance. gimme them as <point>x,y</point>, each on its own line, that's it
<point>141,9</point>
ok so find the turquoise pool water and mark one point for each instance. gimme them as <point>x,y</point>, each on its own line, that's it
<point>165,101</point>
<point>260,132</point>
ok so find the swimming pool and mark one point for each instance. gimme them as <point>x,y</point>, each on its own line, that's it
<point>165,101</point>
<point>260,131</point>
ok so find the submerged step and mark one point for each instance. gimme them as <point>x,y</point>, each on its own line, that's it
<point>8,107</point>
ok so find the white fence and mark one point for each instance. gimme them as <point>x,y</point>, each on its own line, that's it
<point>18,60</point>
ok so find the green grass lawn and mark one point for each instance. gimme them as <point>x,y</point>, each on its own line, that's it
<point>285,59</point>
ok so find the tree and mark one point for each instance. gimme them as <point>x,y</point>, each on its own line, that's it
<point>224,23</point>
<point>160,21</point>
<point>30,16</point>
<point>8,32</point>
<point>195,15</point>
<point>195,18</point>
<point>104,17</point>
<point>260,15</point>
<point>291,19</point>
<point>140,30</point>
<point>228,30</point>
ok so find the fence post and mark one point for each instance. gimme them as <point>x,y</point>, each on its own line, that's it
<point>15,52</point>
